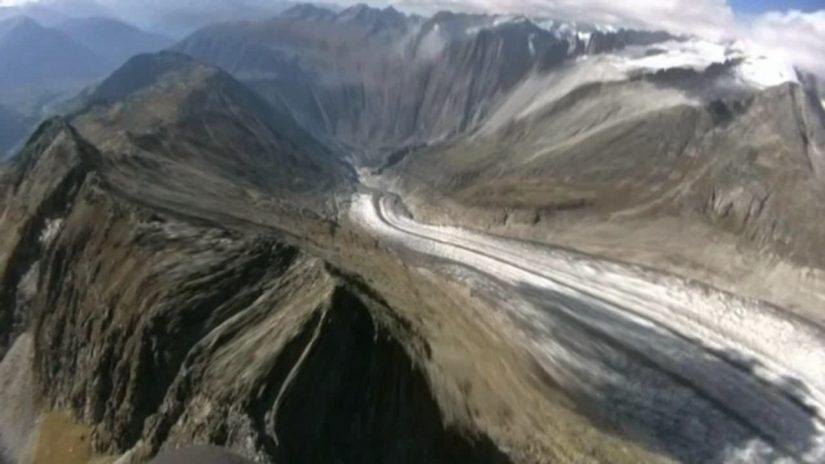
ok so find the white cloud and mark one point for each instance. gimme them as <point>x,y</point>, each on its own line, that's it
<point>796,37</point>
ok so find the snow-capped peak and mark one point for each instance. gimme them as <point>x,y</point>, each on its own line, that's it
<point>764,71</point>
<point>750,68</point>
<point>509,19</point>
<point>759,68</point>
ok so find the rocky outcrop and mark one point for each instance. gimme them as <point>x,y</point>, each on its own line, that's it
<point>605,42</point>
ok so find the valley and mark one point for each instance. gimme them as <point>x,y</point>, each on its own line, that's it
<point>644,325</point>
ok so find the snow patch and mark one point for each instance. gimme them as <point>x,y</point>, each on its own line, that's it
<point>564,31</point>
<point>531,45</point>
<point>49,232</point>
<point>753,69</point>
<point>763,71</point>
<point>509,19</point>
<point>694,54</point>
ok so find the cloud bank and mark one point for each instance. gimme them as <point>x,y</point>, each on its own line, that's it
<point>796,37</point>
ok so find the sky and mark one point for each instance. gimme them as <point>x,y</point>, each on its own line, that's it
<point>793,30</point>
<point>746,7</point>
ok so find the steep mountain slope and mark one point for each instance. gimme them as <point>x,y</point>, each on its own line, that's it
<point>749,165</point>
<point>112,39</point>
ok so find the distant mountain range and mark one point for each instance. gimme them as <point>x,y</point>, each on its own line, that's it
<point>175,19</point>
<point>33,55</point>
<point>41,65</point>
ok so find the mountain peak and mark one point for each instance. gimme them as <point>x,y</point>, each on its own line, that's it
<point>143,71</point>
<point>363,14</point>
<point>100,22</point>
<point>310,12</point>
<point>19,25</point>
<point>166,103</point>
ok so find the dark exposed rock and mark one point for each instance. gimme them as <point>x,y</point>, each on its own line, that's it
<point>604,42</point>
<point>199,455</point>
